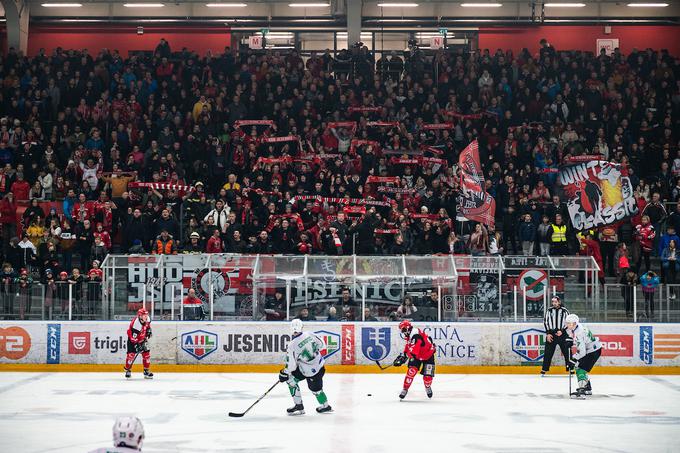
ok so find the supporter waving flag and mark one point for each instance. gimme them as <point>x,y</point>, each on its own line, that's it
<point>473,202</point>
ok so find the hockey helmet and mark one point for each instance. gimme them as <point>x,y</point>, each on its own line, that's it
<point>128,432</point>
<point>572,318</point>
<point>296,326</point>
<point>142,312</point>
<point>406,327</point>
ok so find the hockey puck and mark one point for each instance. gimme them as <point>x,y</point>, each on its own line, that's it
<point>368,394</point>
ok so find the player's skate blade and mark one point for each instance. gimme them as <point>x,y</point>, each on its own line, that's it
<point>148,374</point>
<point>298,409</point>
<point>403,393</point>
<point>324,409</point>
<point>588,390</point>
<point>578,395</point>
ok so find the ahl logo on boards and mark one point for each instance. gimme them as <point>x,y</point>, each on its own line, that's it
<point>529,344</point>
<point>330,340</point>
<point>375,342</point>
<point>79,342</point>
<point>199,343</point>
<point>660,346</point>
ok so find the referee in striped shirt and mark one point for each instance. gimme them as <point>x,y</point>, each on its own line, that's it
<point>555,323</point>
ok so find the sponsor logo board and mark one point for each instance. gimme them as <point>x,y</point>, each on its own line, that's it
<point>199,343</point>
<point>53,343</point>
<point>348,344</point>
<point>331,342</point>
<point>529,344</point>
<point>79,342</point>
<point>659,346</point>
<point>616,345</point>
<point>15,343</point>
<point>375,342</point>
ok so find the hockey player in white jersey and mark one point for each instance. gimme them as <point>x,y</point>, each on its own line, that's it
<point>304,361</point>
<point>128,435</point>
<point>585,352</point>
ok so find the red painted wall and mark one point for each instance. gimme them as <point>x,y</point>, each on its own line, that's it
<point>125,38</point>
<point>575,37</point>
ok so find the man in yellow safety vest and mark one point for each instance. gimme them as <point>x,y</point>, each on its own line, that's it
<point>558,237</point>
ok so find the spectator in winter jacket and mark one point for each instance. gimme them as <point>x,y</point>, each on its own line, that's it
<point>214,244</point>
<point>194,245</point>
<point>644,235</point>
<point>136,229</point>
<point>527,235</point>
<point>8,219</point>
<point>543,236</point>
<point>166,222</point>
<point>21,189</point>
<point>649,281</point>
<point>221,216</point>
<point>164,244</point>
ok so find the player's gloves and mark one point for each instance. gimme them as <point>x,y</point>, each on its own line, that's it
<point>283,376</point>
<point>573,363</point>
<point>139,347</point>
<point>148,333</point>
<point>400,360</point>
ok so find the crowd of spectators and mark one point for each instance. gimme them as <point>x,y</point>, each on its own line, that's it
<point>266,152</point>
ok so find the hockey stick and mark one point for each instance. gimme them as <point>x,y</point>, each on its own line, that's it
<point>383,367</point>
<point>241,414</point>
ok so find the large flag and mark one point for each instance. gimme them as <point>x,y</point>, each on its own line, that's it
<point>473,202</point>
<point>597,193</point>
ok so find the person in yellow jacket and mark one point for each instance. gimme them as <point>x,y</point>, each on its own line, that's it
<point>559,244</point>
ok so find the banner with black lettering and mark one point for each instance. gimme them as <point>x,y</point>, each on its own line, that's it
<point>597,193</point>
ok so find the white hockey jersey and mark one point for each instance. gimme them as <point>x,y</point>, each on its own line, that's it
<point>304,354</point>
<point>115,450</point>
<point>585,341</point>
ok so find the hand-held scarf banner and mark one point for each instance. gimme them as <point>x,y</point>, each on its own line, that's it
<point>160,186</point>
<point>361,142</point>
<point>437,126</point>
<point>383,179</point>
<point>287,138</point>
<point>241,123</point>
<point>473,202</point>
<point>599,193</point>
<point>337,200</point>
<point>382,124</point>
<point>364,108</point>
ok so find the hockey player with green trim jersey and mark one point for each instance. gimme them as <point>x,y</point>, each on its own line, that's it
<point>585,352</point>
<point>304,361</point>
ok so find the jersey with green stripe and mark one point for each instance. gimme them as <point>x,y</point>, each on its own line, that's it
<point>304,354</point>
<point>585,341</point>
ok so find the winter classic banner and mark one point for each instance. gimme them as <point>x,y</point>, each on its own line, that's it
<point>598,193</point>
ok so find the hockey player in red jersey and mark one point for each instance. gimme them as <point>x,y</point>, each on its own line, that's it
<point>419,351</point>
<point>138,334</point>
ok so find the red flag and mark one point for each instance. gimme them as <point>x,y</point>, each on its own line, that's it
<point>474,203</point>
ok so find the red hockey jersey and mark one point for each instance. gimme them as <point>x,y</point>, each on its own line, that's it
<point>138,332</point>
<point>419,346</point>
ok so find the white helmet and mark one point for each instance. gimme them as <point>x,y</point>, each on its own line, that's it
<point>572,318</point>
<point>295,326</point>
<point>128,432</point>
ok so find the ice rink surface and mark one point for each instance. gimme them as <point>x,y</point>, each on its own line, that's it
<point>74,412</point>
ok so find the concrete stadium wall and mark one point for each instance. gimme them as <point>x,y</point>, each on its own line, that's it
<point>350,347</point>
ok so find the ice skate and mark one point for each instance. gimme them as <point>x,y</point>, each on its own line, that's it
<point>588,390</point>
<point>298,409</point>
<point>403,393</point>
<point>428,390</point>
<point>128,373</point>
<point>324,409</point>
<point>148,374</point>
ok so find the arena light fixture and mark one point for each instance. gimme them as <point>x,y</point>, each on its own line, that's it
<point>61,5</point>
<point>648,5</point>
<point>564,5</point>
<point>143,5</point>
<point>398,5</point>
<point>308,5</point>
<point>226,5</point>
<point>481,5</point>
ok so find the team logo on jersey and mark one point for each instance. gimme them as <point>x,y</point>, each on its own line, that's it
<point>53,343</point>
<point>330,340</point>
<point>375,342</point>
<point>199,343</point>
<point>658,346</point>
<point>529,344</point>
<point>79,342</point>
<point>15,343</point>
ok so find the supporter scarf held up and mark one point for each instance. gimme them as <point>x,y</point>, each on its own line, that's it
<point>473,202</point>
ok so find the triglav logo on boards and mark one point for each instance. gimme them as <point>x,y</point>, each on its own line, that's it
<point>79,342</point>
<point>375,342</point>
<point>15,343</point>
<point>199,343</point>
<point>529,344</point>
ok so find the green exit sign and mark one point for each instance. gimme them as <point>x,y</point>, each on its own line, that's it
<point>264,31</point>
<point>443,31</point>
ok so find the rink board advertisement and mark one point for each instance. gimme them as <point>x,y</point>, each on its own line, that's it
<point>261,343</point>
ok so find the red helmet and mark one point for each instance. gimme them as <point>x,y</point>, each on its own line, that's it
<point>142,312</point>
<point>63,274</point>
<point>406,327</point>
